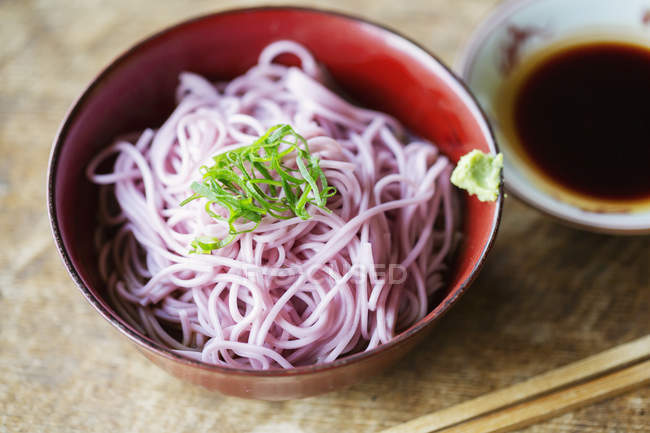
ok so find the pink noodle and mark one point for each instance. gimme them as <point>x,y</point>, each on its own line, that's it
<point>292,292</point>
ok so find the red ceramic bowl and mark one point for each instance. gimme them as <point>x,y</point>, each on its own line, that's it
<point>374,65</point>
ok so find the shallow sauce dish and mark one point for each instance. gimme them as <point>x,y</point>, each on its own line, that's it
<point>509,39</point>
<point>371,64</point>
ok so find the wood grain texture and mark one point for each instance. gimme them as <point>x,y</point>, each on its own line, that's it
<point>548,406</point>
<point>549,295</point>
<point>532,393</point>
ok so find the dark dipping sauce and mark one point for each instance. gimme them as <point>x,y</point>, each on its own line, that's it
<point>582,114</point>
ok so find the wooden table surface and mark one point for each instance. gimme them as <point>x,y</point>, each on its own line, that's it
<point>548,295</point>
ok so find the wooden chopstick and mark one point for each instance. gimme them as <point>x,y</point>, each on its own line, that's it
<point>529,396</point>
<point>554,404</point>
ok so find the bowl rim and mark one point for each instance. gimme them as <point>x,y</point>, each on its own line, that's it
<point>141,342</point>
<point>466,56</point>
<point>464,65</point>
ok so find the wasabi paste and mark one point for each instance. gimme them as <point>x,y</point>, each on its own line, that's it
<point>479,173</point>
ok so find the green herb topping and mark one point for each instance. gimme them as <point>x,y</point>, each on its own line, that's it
<point>276,176</point>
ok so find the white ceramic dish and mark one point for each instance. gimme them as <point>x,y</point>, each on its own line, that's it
<point>518,28</point>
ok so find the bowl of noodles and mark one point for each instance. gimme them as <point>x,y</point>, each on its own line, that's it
<point>260,199</point>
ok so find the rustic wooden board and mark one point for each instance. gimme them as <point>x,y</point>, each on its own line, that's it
<point>548,295</point>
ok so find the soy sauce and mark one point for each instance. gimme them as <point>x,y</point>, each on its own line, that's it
<point>582,114</point>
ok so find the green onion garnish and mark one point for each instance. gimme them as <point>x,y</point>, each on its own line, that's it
<point>276,176</point>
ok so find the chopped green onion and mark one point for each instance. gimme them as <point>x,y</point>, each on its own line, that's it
<point>253,181</point>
